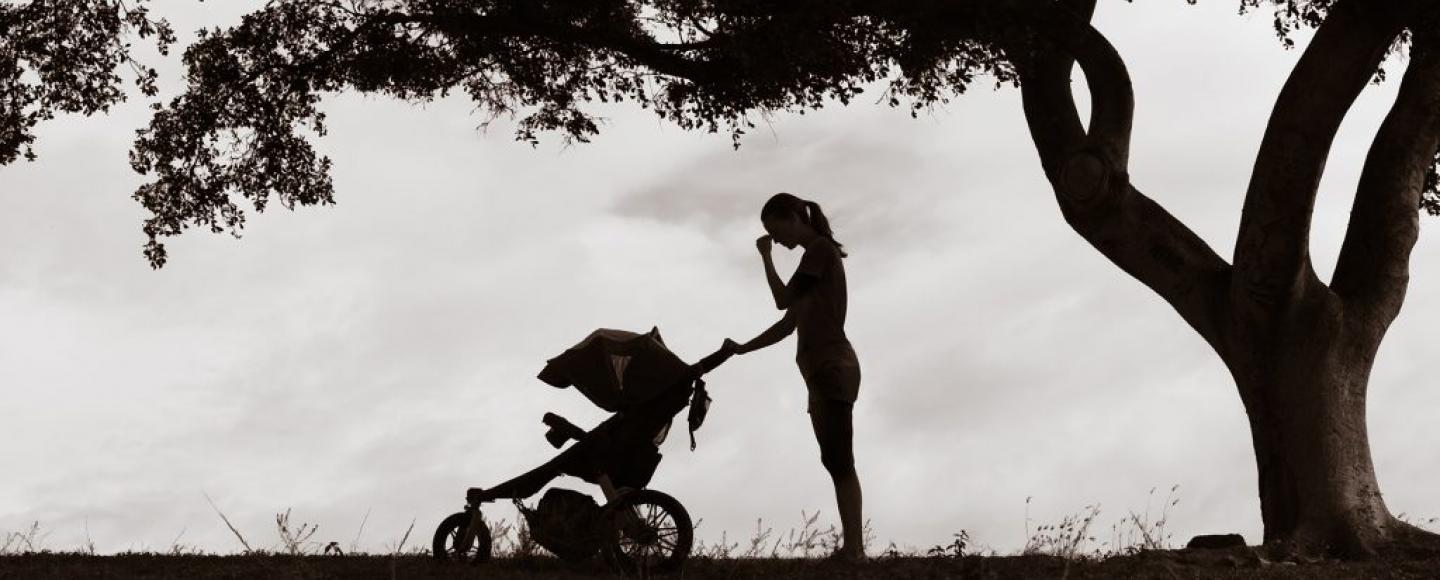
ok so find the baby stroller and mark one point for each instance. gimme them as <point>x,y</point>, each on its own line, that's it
<point>645,385</point>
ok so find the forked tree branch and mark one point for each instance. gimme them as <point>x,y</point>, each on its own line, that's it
<point>1272,248</point>
<point>1090,176</point>
<point>1374,266</point>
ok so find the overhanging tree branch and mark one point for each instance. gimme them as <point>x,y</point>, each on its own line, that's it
<point>1089,173</point>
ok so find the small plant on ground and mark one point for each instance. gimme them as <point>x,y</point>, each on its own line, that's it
<point>807,539</point>
<point>179,549</point>
<point>87,548</point>
<point>27,541</point>
<point>1146,534</point>
<point>955,549</point>
<point>500,537</point>
<point>721,550</point>
<point>1065,539</point>
<point>229,525</point>
<point>525,545</point>
<point>399,549</point>
<point>758,541</point>
<point>867,537</point>
<point>892,551</point>
<point>294,540</point>
<point>355,543</point>
<point>512,539</point>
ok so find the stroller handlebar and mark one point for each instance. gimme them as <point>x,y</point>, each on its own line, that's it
<point>715,359</point>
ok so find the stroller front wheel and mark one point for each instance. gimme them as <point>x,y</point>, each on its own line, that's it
<point>649,531</point>
<point>450,534</point>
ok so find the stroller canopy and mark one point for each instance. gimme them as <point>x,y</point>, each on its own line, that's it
<point>617,368</point>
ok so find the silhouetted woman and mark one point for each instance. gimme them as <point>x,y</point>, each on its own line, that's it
<point>814,304</point>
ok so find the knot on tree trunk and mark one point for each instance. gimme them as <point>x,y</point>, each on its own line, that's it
<point>1085,177</point>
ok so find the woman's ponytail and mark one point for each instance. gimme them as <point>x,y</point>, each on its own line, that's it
<point>818,221</point>
<point>809,212</point>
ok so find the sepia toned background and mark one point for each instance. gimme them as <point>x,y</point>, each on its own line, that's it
<point>379,356</point>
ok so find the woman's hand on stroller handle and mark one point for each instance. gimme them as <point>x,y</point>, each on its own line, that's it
<point>727,350</point>
<point>732,347</point>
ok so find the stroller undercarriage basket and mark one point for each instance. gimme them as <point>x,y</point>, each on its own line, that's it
<point>567,523</point>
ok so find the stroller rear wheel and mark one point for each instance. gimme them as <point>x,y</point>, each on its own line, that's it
<point>450,535</point>
<point>649,532</point>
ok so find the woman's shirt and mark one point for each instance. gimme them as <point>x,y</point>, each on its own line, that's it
<point>819,310</point>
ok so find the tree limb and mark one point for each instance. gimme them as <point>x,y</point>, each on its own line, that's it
<point>1066,25</point>
<point>1089,173</point>
<point>1272,250</point>
<point>1373,270</point>
<point>1049,100</point>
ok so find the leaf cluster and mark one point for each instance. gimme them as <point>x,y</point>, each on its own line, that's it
<point>62,56</point>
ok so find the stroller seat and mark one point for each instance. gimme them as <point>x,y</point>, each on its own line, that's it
<point>635,377</point>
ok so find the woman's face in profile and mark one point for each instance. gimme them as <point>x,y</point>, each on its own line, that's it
<point>785,231</point>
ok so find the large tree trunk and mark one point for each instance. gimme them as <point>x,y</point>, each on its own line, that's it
<point>1302,374</point>
<point>1300,351</point>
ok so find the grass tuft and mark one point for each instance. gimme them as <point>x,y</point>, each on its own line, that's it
<point>26,541</point>
<point>295,541</point>
<point>237,533</point>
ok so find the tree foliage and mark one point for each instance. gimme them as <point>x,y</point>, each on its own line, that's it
<point>62,56</point>
<point>244,127</point>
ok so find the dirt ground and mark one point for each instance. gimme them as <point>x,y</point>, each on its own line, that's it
<point>1166,565</point>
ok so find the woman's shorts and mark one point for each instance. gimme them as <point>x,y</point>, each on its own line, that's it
<point>837,381</point>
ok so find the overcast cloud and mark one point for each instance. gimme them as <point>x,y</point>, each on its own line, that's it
<point>380,355</point>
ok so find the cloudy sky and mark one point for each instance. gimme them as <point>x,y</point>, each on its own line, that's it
<point>379,356</point>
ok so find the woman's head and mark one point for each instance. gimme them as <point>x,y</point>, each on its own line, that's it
<point>792,221</point>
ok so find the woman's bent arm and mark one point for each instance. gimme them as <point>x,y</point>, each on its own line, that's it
<point>785,294</point>
<point>777,286</point>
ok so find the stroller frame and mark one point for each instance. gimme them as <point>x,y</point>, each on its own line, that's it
<point>640,529</point>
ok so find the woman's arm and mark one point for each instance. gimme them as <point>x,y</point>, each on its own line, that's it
<point>777,287</point>
<point>783,294</point>
<point>770,336</point>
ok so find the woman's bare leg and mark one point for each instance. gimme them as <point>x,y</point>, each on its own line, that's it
<point>831,421</point>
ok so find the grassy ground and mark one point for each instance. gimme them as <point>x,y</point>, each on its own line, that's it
<point>1167,565</point>
<point>1139,546</point>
